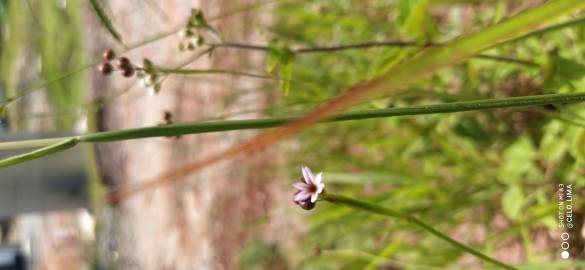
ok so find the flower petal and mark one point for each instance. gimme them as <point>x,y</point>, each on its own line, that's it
<point>301,196</point>
<point>314,197</point>
<point>317,179</point>
<point>320,188</point>
<point>307,174</point>
<point>302,186</point>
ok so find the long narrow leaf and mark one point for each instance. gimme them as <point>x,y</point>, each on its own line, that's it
<point>105,20</point>
<point>51,149</point>
<point>376,209</point>
<point>217,126</point>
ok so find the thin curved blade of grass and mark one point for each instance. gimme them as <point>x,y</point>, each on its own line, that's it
<point>23,144</point>
<point>399,77</point>
<point>552,28</point>
<point>215,126</point>
<point>105,20</point>
<point>45,151</point>
<point>218,126</point>
<point>376,209</point>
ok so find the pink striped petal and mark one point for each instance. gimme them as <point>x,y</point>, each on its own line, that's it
<point>320,188</point>
<point>307,174</point>
<point>317,179</point>
<point>301,196</point>
<point>314,197</point>
<point>301,186</point>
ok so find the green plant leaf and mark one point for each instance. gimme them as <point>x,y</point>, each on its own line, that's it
<point>105,20</point>
<point>404,10</point>
<point>148,66</point>
<point>579,144</point>
<point>197,19</point>
<point>281,56</point>
<point>471,128</point>
<point>551,147</point>
<point>285,77</point>
<point>518,160</point>
<point>512,201</point>
<point>562,71</point>
<point>61,24</point>
<point>417,23</point>
<point>272,58</point>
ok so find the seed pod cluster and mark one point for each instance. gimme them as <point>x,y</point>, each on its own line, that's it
<point>122,63</point>
<point>190,36</point>
<point>125,66</point>
<point>149,76</point>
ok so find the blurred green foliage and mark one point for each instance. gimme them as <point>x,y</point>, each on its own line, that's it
<point>458,172</point>
<point>49,54</point>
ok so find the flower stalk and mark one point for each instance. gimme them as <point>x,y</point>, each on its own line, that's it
<point>368,45</point>
<point>376,209</point>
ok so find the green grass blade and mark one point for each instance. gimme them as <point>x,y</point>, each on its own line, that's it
<point>31,143</point>
<point>105,20</point>
<point>51,149</point>
<point>217,126</point>
<point>376,209</point>
<point>552,28</point>
<point>435,58</point>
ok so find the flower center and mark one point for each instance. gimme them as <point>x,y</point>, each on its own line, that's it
<point>312,188</point>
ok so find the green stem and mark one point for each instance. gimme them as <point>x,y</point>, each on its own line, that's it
<point>54,148</point>
<point>216,126</point>
<point>211,71</point>
<point>30,143</point>
<point>372,208</point>
<point>60,144</point>
<point>368,45</point>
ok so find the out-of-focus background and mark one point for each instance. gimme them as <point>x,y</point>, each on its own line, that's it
<point>488,179</point>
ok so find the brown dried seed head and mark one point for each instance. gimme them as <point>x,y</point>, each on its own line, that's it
<point>168,116</point>
<point>123,63</point>
<point>106,68</point>
<point>109,55</point>
<point>127,72</point>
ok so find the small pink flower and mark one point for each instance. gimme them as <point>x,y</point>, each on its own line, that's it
<point>309,187</point>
